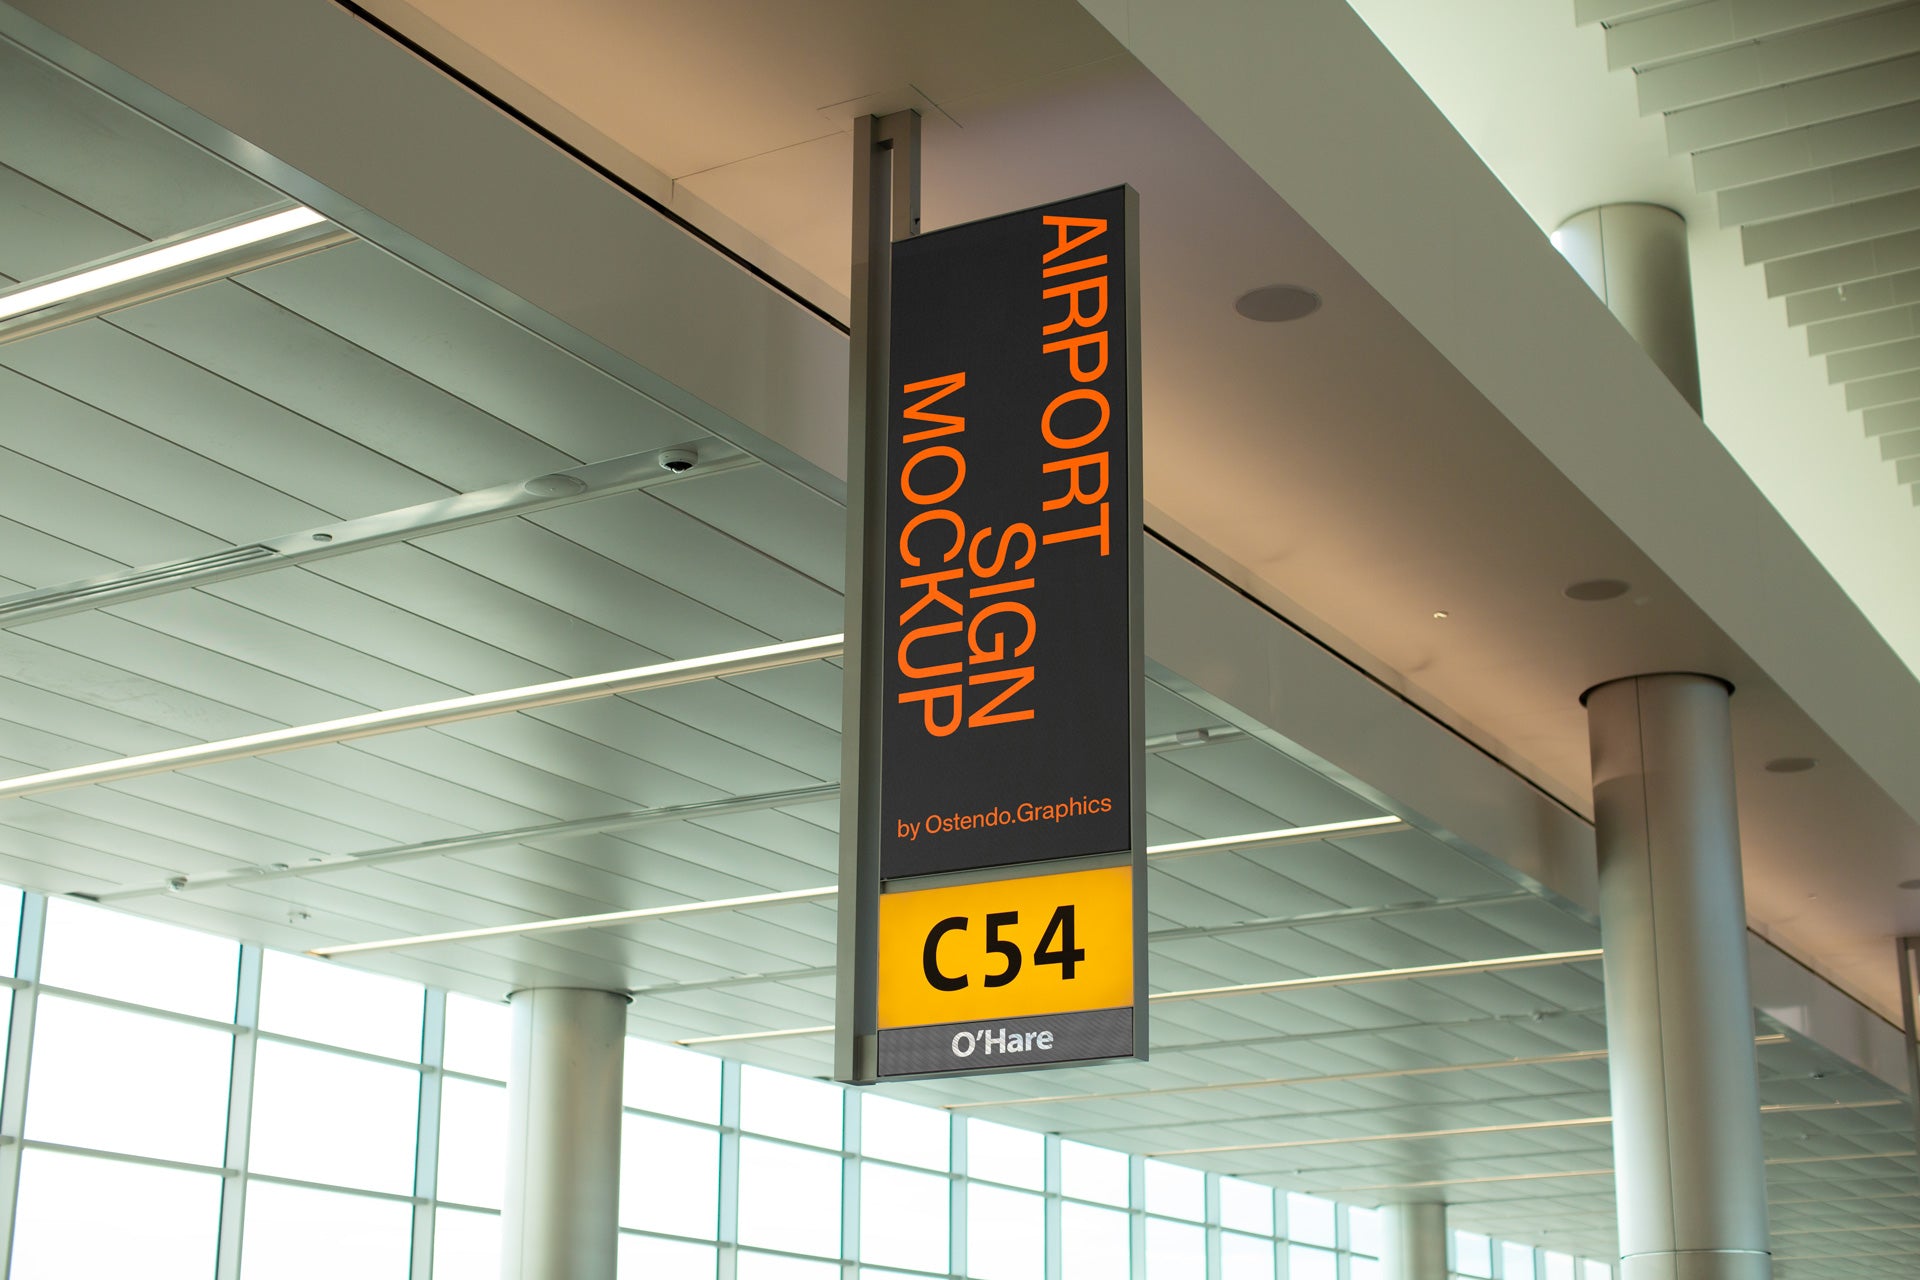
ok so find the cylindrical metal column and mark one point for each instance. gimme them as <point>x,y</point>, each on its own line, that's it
<point>1635,257</point>
<point>1413,1242</point>
<point>563,1144</point>
<point>1689,1175</point>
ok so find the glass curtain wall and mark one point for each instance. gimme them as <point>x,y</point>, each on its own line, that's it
<point>177,1105</point>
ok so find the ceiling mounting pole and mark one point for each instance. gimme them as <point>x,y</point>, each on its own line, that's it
<point>886,207</point>
<point>1906,948</point>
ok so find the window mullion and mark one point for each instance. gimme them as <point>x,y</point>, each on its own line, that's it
<point>233,1189</point>
<point>426,1149</point>
<point>729,1217</point>
<point>19,1057</point>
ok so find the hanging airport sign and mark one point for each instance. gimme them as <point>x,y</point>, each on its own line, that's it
<point>1011,653</point>
<point>994,894</point>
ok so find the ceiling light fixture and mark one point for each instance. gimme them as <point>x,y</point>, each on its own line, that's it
<point>1277,303</point>
<point>1287,835</point>
<point>1500,964</point>
<point>585,922</point>
<point>756,1035</point>
<point>429,714</point>
<point>166,266</point>
<point>1284,1082</point>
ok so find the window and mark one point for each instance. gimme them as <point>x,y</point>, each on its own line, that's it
<point>295,1233</point>
<point>473,1144</point>
<point>1006,1234</point>
<point>904,1218</point>
<point>166,1221</point>
<point>789,1198</point>
<point>1093,1173</point>
<point>323,1117</point>
<point>783,1106</point>
<point>128,1082</point>
<point>998,1153</point>
<point>330,1004</point>
<point>902,1132</point>
<point>669,1177</point>
<point>328,1187</point>
<point>145,962</point>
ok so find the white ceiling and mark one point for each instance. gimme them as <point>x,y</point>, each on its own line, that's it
<point>349,383</point>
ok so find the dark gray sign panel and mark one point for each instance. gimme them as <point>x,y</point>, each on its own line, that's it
<point>1011,654</point>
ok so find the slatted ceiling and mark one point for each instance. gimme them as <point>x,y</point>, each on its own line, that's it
<point>47,232</point>
<point>70,137</point>
<point>684,555</point>
<point>419,324</point>
<point>247,339</point>
<point>1805,122</point>
<point>31,559</point>
<point>543,565</point>
<point>84,443</point>
<point>1247,767</point>
<point>101,522</point>
<point>777,515</point>
<point>219,419</point>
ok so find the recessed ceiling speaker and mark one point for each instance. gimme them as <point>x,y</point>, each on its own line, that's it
<point>1278,303</point>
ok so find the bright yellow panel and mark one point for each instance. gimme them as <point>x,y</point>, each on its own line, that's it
<point>1006,948</point>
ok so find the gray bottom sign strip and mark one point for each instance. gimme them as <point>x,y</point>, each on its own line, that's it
<point>1007,1042</point>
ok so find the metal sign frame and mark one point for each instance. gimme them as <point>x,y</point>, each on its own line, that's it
<point>1020,1030</point>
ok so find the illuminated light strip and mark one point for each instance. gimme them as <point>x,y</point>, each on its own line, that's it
<point>1288,835</point>
<point>1594,1173</point>
<point>158,260</point>
<point>583,922</point>
<point>1281,1082</point>
<point>757,1035</point>
<point>426,715</point>
<point>824,891</point>
<point>1372,975</point>
<point>1469,1182</point>
<point>1499,965</point>
<point>1835,1231</point>
<point>1578,1122</point>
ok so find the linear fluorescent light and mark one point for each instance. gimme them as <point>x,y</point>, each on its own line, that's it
<point>1595,1173</point>
<point>1579,1122</point>
<point>756,1035</point>
<point>583,922</point>
<point>1287,835</point>
<point>426,715</point>
<point>824,891</point>
<point>1282,1082</point>
<point>153,261</point>
<point>1498,965</point>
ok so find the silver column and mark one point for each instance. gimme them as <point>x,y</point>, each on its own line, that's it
<point>563,1141</point>
<point>1635,257</point>
<point>1688,1166</point>
<point>1413,1242</point>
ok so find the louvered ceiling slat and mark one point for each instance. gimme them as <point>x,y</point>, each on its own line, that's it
<point>1819,146</point>
<point>1864,220</point>
<point>1788,106</point>
<point>1798,55</point>
<point>1870,362</point>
